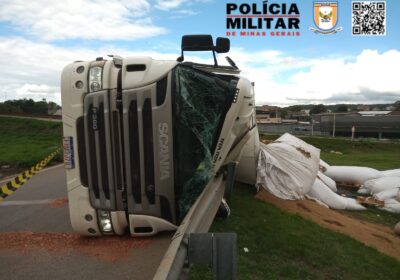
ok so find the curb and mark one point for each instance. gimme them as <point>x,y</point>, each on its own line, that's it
<point>14,184</point>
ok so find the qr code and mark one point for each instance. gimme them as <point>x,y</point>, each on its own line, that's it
<point>369,18</point>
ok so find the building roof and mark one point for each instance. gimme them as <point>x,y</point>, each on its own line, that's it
<point>373,113</point>
<point>336,114</point>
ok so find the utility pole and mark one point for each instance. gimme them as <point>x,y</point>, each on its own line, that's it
<point>334,125</point>
<point>312,127</point>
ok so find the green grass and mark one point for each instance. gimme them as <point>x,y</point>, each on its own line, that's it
<point>24,142</point>
<point>286,246</point>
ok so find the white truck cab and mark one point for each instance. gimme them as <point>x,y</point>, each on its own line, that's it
<point>143,137</point>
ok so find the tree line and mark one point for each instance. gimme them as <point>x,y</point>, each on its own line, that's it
<point>28,106</point>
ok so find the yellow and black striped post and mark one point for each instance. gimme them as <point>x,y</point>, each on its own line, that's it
<point>14,184</point>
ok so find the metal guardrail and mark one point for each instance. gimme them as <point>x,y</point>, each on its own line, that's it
<point>217,250</point>
<point>198,220</point>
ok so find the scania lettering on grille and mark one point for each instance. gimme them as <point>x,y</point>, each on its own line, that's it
<point>164,151</point>
<point>95,125</point>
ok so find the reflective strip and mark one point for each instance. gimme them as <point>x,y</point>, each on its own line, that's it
<point>5,190</point>
<point>14,184</point>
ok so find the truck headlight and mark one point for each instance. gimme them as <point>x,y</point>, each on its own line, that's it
<point>95,78</point>
<point>105,222</point>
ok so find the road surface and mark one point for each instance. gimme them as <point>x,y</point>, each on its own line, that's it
<point>37,242</point>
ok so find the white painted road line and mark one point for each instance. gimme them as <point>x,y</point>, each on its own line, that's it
<point>25,202</point>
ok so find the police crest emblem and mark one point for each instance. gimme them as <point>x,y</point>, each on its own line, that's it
<point>325,17</point>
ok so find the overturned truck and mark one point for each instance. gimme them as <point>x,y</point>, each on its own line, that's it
<point>143,137</point>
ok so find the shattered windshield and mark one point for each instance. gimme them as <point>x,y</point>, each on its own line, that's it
<point>201,103</point>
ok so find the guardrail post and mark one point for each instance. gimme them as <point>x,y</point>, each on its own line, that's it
<point>216,249</point>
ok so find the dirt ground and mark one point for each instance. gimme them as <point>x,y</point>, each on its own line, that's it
<point>58,202</point>
<point>106,248</point>
<point>377,236</point>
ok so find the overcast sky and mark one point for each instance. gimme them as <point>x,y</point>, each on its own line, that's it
<point>38,38</point>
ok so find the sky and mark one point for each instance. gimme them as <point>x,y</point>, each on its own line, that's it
<point>38,38</point>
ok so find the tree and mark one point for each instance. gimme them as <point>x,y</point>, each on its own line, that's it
<point>397,105</point>
<point>295,108</point>
<point>317,109</point>
<point>341,108</point>
<point>40,107</point>
<point>27,106</point>
<point>284,113</point>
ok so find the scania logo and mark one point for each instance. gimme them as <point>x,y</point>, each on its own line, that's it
<point>163,150</point>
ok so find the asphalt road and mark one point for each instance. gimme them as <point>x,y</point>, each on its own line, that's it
<point>37,242</point>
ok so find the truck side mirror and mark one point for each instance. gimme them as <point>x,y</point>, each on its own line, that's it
<point>197,43</point>
<point>223,45</point>
<point>204,43</point>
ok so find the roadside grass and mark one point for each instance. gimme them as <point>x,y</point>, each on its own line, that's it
<point>24,142</point>
<point>286,246</point>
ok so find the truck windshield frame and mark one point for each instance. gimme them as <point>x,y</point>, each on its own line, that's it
<point>201,102</point>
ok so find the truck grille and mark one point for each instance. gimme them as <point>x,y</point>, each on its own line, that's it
<point>140,164</point>
<point>121,164</point>
<point>103,152</point>
<point>147,194</point>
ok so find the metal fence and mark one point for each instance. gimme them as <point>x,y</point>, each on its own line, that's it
<point>375,126</point>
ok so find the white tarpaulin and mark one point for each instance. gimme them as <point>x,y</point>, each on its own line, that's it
<point>287,168</point>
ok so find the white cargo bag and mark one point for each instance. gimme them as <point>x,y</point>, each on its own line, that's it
<point>324,194</point>
<point>327,181</point>
<point>287,170</point>
<point>323,166</point>
<point>381,184</point>
<point>386,194</point>
<point>392,205</point>
<point>391,173</point>
<point>297,142</point>
<point>363,191</point>
<point>352,174</point>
